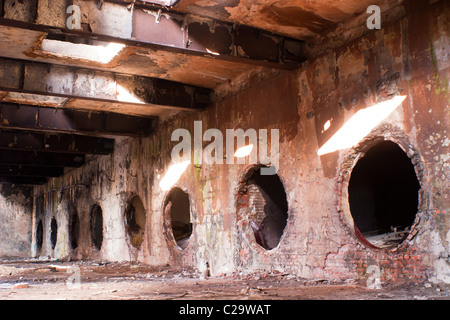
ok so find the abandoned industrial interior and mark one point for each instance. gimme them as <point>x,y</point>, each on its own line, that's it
<point>229,149</point>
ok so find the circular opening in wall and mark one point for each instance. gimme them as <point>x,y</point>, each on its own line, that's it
<point>135,221</point>
<point>96,224</point>
<point>177,209</point>
<point>53,233</point>
<point>39,235</point>
<point>74,228</point>
<point>266,207</point>
<point>383,195</point>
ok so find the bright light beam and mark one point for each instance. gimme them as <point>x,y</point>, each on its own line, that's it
<point>98,53</point>
<point>173,174</point>
<point>243,151</point>
<point>124,95</point>
<point>360,125</point>
<point>212,52</point>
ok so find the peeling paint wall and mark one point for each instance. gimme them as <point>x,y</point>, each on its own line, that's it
<point>407,56</point>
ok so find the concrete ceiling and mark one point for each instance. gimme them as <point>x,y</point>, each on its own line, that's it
<point>300,19</point>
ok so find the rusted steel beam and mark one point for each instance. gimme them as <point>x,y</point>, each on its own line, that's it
<point>47,119</point>
<point>30,171</point>
<point>230,40</point>
<point>23,180</point>
<point>61,143</point>
<point>41,159</point>
<point>162,29</point>
<point>100,86</point>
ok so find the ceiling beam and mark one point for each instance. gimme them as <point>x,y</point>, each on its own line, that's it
<point>61,143</point>
<point>160,28</point>
<point>30,171</point>
<point>23,180</point>
<point>81,88</point>
<point>62,120</point>
<point>41,159</point>
<point>216,39</point>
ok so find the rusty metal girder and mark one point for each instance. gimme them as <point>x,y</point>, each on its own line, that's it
<point>23,180</point>
<point>162,29</point>
<point>46,119</point>
<point>30,171</point>
<point>41,159</point>
<point>61,143</point>
<point>123,92</point>
<point>216,39</point>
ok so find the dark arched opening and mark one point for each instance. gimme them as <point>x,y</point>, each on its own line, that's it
<point>267,207</point>
<point>177,207</point>
<point>74,228</point>
<point>135,221</point>
<point>383,195</point>
<point>53,233</point>
<point>39,236</point>
<point>96,226</point>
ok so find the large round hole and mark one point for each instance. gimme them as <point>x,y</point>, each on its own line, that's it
<point>267,208</point>
<point>74,228</point>
<point>135,221</point>
<point>96,226</point>
<point>53,233</point>
<point>39,236</point>
<point>383,195</point>
<point>177,207</point>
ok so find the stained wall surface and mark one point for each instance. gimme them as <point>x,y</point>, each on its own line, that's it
<point>408,56</point>
<point>16,205</point>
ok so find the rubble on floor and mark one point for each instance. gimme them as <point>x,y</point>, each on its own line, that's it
<point>50,279</point>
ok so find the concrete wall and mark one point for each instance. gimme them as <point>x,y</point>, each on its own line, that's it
<point>16,204</point>
<point>408,56</point>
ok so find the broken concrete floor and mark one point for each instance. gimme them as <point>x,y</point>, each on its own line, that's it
<point>92,280</point>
